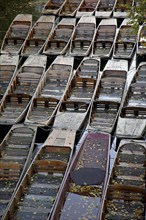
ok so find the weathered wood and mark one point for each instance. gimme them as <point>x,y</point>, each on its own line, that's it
<point>125,195</point>
<point>23,86</point>
<point>43,178</point>
<point>50,91</point>
<point>132,119</point>
<point>109,91</point>
<point>125,42</point>
<point>83,36</point>
<point>105,8</point>
<point>104,38</point>
<point>74,199</point>
<point>87,8</point>
<point>52,7</point>
<point>38,35</point>
<point>8,69</point>
<point>58,41</point>
<point>69,8</point>
<point>141,42</point>
<point>120,10</point>
<point>16,34</point>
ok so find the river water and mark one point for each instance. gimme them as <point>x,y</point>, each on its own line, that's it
<point>10,8</point>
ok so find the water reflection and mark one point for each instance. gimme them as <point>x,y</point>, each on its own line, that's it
<point>10,8</point>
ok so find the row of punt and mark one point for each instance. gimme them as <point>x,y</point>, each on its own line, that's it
<point>79,8</point>
<point>52,184</point>
<point>58,180</point>
<point>67,36</point>
<point>66,98</point>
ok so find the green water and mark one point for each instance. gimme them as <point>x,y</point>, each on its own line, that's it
<point>10,8</point>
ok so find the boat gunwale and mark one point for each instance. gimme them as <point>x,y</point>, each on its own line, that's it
<point>65,183</point>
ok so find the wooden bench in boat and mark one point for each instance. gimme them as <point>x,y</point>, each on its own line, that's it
<point>13,107</point>
<point>10,170</point>
<point>126,193</point>
<point>133,112</point>
<point>19,30</point>
<point>50,166</point>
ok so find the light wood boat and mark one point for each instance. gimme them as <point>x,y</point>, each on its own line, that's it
<point>132,119</point>
<point>53,7</point>
<point>83,36</point>
<point>125,194</point>
<point>16,34</point>
<point>108,98</point>
<point>105,8</point>
<point>50,92</point>
<point>89,68</point>
<point>141,42</point>
<point>125,42</point>
<point>80,196</point>
<point>104,38</point>
<point>37,192</point>
<point>70,8</point>
<point>14,106</point>
<point>120,10</point>
<point>8,68</point>
<point>58,41</point>
<point>75,105</point>
<point>38,35</point>
<point>16,152</point>
<point>87,8</point>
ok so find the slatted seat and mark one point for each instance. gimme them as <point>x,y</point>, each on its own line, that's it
<point>133,112</point>
<point>104,115</point>
<point>14,105</point>
<point>42,109</point>
<point>39,197</point>
<point>10,170</point>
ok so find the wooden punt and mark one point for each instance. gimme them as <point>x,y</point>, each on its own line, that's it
<point>83,36</point>
<point>75,105</point>
<point>37,191</point>
<point>121,8</point>
<point>53,7</point>
<point>89,68</point>
<point>125,196</point>
<point>70,8</point>
<point>50,92</point>
<point>16,34</point>
<point>125,42</point>
<point>80,196</point>
<point>38,35</point>
<point>87,8</point>
<point>105,8</point>
<point>58,41</point>
<point>132,119</point>
<point>8,68</point>
<point>16,152</point>
<point>108,98</point>
<point>141,42</point>
<point>104,38</point>
<point>14,106</point>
